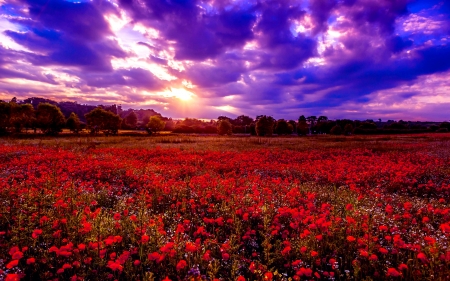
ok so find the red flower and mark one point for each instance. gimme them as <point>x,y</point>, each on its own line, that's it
<point>268,276</point>
<point>351,238</point>
<point>31,261</point>
<point>17,255</point>
<point>402,266</point>
<point>225,256</point>
<point>115,266</point>
<point>191,247</point>
<point>145,238</point>
<point>181,265</point>
<point>12,277</point>
<point>240,278</point>
<point>207,256</point>
<point>393,272</point>
<point>36,233</point>
<point>383,251</point>
<point>12,264</point>
<point>13,250</point>
<point>422,257</point>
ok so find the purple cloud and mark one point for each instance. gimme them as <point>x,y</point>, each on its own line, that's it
<point>279,57</point>
<point>68,33</point>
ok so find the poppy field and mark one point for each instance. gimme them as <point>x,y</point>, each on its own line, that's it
<point>265,213</point>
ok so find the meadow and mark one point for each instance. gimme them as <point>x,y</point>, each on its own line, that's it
<point>179,207</point>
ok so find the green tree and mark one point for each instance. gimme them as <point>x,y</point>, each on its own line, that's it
<point>155,124</point>
<point>283,127</point>
<point>5,115</point>
<point>101,120</point>
<point>348,129</point>
<point>224,127</point>
<point>131,120</point>
<point>49,119</point>
<point>264,126</point>
<point>336,130</point>
<point>302,127</point>
<point>22,116</point>
<point>73,123</point>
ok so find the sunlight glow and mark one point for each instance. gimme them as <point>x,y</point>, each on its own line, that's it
<point>117,23</point>
<point>181,94</point>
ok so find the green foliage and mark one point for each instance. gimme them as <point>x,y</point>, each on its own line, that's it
<point>22,116</point>
<point>336,130</point>
<point>283,127</point>
<point>224,127</point>
<point>102,120</point>
<point>155,124</point>
<point>5,114</point>
<point>302,127</point>
<point>264,126</point>
<point>348,129</point>
<point>49,119</point>
<point>445,125</point>
<point>73,123</point>
<point>192,125</point>
<point>131,120</point>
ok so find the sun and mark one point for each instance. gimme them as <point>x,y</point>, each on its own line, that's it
<point>182,94</point>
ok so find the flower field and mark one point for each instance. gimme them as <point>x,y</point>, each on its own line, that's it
<point>262,214</point>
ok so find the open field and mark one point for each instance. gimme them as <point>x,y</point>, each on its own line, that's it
<point>225,208</point>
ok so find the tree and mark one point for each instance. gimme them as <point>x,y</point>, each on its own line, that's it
<point>73,123</point>
<point>49,119</point>
<point>224,127</point>
<point>312,121</point>
<point>155,124</point>
<point>348,129</point>
<point>322,119</point>
<point>243,120</point>
<point>283,128</point>
<point>102,120</point>
<point>22,116</point>
<point>445,125</point>
<point>302,127</point>
<point>5,114</point>
<point>336,130</point>
<point>131,120</point>
<point>264,126</point>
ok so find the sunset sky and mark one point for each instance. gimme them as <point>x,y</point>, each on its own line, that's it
<point>357,59</point>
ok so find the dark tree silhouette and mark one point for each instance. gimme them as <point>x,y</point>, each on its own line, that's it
<point>49,119</point>
<point>155,124</point>
<point>73,123</point>
<point>283,128</point>
<point>224,127</point>
<point>131,120</point>
<point>102,120</point>
<point>264,125</point>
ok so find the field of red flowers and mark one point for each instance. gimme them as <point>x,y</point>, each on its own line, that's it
<point>262,214</point>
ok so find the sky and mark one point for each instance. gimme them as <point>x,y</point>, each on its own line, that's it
<point>357,59</point>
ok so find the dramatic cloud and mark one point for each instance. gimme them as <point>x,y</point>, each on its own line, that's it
<point>205,58</point>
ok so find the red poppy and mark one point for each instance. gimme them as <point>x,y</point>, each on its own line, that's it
<point>181,265</point>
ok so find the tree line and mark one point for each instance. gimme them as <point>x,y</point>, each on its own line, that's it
<point>17,117</point>
<point>49,119</point>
